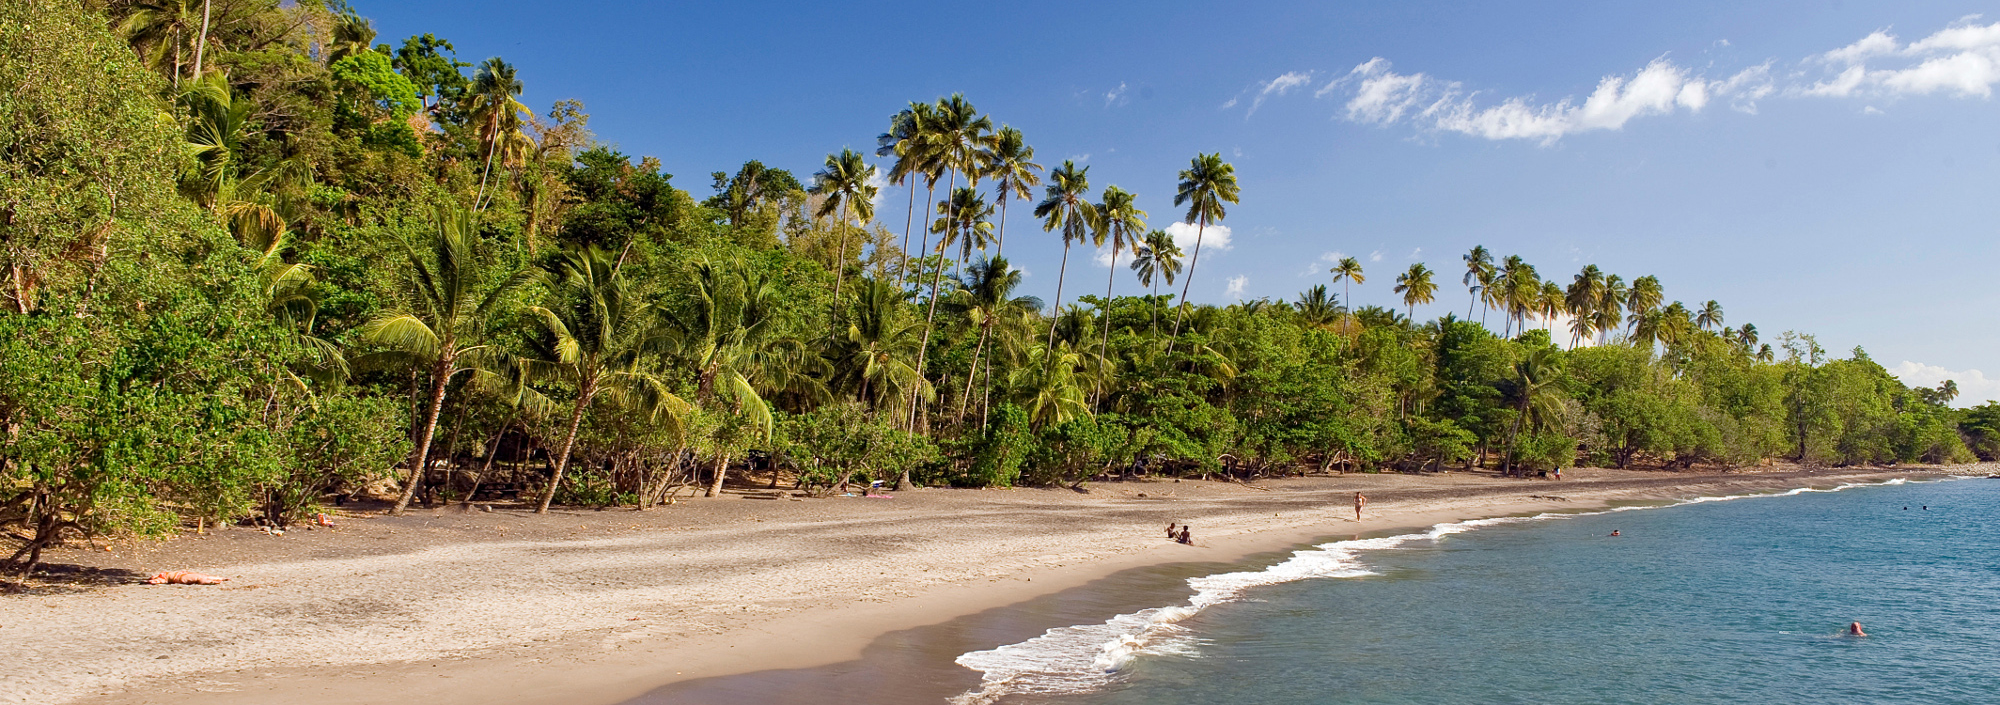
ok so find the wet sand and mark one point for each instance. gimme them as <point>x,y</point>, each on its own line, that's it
<point>584,607</point>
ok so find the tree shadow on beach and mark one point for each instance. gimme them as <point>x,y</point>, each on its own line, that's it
<point>59,578</point>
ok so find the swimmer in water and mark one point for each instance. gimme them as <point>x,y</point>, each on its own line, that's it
<point>1614,532</point>
<point>1854,629</point>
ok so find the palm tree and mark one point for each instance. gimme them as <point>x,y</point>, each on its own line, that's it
<point>1156,257</point>
<point>1645,296</point>
<point>593,335</point>
<point>1010,163</point>
<point>1535,394</point>
<point>1205,185</point>
<point>1710,316</point>
<point>872,361</point>
<point>1317,308</point>
<point>906,141</point>
<point>1347,273</point>
<point>844,183</point>
<point>986,302</point>
<point>1610,306</point>
<point>1066,206</point>
<point>1581,300</point>
<point>732,337</point>
<point>1047,388</point>
<point>1520,291</point>
<point>1120,221</point>
<point>1478,271</point>
<point>1550,304</point>
<point>1747,335</point>
<point>1675,322</point>
<point>491,104</point>
<point>160,30</point>
<point>961,219</point>
<point>1416,287</point>
<point>455,297</point>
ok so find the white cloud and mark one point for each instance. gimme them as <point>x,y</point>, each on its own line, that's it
<point>1103,256</point>
<point>1278,86</point>
<point>881,184</point>
<point>1326,260</point>
<point>1084,157</point>
<point>1375,256</point>
<point>1236,285</point>
<point>1215,239</point>
<point>1117,96</point>
<point>1417,253</point>
<point>1380,96</point>
<point>1875,44</point>
<point>1961,60</point>
<point>1227,104</point>
<point>1974,388</point>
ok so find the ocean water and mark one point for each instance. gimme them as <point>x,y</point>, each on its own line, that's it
<point>1718,600</point>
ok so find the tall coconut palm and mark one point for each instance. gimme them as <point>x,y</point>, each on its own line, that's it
<point>1478,271</point>
<point>1581,300</point>
<point>1519,290</point>
<point>1416,287</point>
<point>1348,273</point>
<point>1205,185</point>
<point>1066,207</point>
<point>161,31</point>
<point>493,105</point>
<point>1011,165</point>
<point>457,293</point>
<point>1156,257</point>
<point>1747,335</point>
<point>844,184</point>
<point>1550,305</point>
<point>906,141</point>
<point>1318,308</point>
<point>1644,297</point>
<point>961,219</point>
<point>592,335</point>
<point>1675,323</point>
<point>1119,221</point>
<point>985,301</point>
<point>1610,308</point>
<point>1710,316</point>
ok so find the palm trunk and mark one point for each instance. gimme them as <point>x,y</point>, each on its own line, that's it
<point>1186,282</point>
<point>1001,248</point>
<point>440,374</point>
<point>965,400</point>
<point>569,444</point>
<point>721,472</point>
<point>1507,461</point>
<point>930,194</point>
<point>1056,317</point>
<point>840,262</point>
<point>1104,343</point>
<point>924,348</point>
<point>201,43</point>
<point>492,452</point>
<point>909,217</point>
<point>492,145</point>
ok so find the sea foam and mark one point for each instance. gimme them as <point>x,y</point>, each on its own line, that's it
<point>1086,657</point>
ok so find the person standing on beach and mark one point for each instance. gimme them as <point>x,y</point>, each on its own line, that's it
<point>1360,500</point>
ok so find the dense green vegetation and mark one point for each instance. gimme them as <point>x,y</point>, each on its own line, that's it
<point>256,261</point>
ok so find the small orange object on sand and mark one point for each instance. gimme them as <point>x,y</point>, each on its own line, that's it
<point>182,577</point>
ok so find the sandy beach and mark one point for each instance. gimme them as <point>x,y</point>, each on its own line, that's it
<point>586,607</point>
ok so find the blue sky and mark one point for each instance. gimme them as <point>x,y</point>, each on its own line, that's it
<point>1828,167</point>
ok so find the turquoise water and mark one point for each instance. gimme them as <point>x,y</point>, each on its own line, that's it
<point>1739,601</point>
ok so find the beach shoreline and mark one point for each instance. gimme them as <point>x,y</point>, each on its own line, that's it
<point>601,607</point>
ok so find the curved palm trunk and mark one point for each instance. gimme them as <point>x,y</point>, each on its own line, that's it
<point>1061,272</point>
<point>1104,343</point>
<point>1001,248</point>
<point>569,444</point>
<point>721,473</point>
<point>930,193</point>
<point>1187,281</point>
<point>1507,463</point>
<point>965,400</point>
<point>840,263</point>
<point>924,348</point>
<point>201,41</point>
<point>440,375</point>
<point>492,145</point>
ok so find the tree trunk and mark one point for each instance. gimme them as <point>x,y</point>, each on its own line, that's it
<point>909,217</point>
<point>721,472</point>
<point>1188,281</point>
<point>1507,461</point>
<point>1056,317</point>
<point>492,145</point>
<point>201,42</point>
<point>440,374</point>
<point>1104,343</point>
<point>965,400</point>
<point>569,444</point>
<point>924,348</point>
<point>840,261</point>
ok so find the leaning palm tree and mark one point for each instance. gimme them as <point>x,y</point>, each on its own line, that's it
<point>1535,393</point>
<point>1156,257</point>
<point>1119,221</point>
<point>1346,274</point>
<point>961,219</point>
<point>1478,271</point>
<point>491,103</point>
<point>1046,387</point>
<point>985,301</point>
<point>1644,297</point>
<point>1010,163</point>
<point>1550,305</point>
<point>957,139</point>
<point>1610,306</point>
<point>1416,287</point>
<point>731,337</point>
<point>1581,301</point>
<point>1710,315</point>
<point>844,184</point>
<point>874,359</point>
<point>457,293</point>
<point>1066,207</point>
<point>1205,185</point>
<point>592,336</point>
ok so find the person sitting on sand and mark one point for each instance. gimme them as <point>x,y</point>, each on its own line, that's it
<point>1170,530</point>
<point>1185,537</point>
<point>1854,629</point>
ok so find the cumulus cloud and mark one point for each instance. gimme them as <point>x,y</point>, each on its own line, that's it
<point>1278,87</point>
<point>1103,256</point>
<point>1215,239</point>
<point>1974,388</point>
<point>1326,261</point>
<point>1961,60</point>
<point>1375,256</point>
<point>1236,285</point>
<point>881,184</point>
